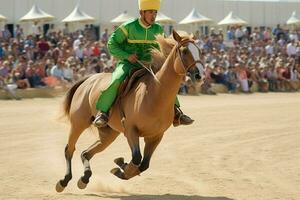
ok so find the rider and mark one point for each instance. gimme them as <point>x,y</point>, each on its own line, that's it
<point>132,42</point>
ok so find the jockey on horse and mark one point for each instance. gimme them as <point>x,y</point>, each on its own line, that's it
<point>132,42</point>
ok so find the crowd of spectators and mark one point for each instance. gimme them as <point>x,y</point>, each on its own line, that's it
<point>264,57</point>
<point>54,58</point>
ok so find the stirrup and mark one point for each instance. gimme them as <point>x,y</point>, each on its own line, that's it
<point>101,120</point>
<point>180,118</point>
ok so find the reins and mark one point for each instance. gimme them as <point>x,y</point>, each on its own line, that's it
<point>149,69</point>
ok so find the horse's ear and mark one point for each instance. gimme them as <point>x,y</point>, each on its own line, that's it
<point>192,36</point>
<point>176,36</point>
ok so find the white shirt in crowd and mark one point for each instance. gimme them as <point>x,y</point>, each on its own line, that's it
<point>78,52</point>
<point>68,73</point>
<point>294,76</point>
<point>238,33</point>
<point>291,49</point>
<point>269,49</point>
<point>293,36</point>
<point>35,30</point>
<point>77,42</point>
<point>57,72</point>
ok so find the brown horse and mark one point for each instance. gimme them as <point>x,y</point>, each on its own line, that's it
<point>148,110</point>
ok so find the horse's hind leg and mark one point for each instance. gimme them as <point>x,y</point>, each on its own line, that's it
<point>106,137</point>
<point>75,132</point>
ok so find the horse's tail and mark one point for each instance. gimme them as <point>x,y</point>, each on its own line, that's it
<point>69,96</point>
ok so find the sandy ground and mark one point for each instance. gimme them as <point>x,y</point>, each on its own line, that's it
<point>240,147</point>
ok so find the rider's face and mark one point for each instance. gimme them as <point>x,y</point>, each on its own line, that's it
<point>149,16</point>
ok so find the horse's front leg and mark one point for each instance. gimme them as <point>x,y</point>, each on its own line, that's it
<point>132,169</point>
<point>150,146</point>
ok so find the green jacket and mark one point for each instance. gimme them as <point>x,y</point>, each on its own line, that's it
<point>133,37</point>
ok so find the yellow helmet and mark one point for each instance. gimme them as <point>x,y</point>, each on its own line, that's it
<point>149,4</point>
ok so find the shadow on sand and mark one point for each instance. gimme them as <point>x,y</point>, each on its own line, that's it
<point>160,197</point>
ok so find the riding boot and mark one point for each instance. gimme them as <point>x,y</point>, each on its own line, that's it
<point>180,118</point>
<point>101,119</point>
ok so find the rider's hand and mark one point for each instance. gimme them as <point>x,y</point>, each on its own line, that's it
<point>132,58</point>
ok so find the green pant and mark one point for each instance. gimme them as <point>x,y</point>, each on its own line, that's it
<point>109,95</point>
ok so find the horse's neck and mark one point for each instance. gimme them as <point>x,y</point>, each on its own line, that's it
<point>169,81</point>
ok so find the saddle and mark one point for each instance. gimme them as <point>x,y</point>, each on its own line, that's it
<point>134,76</point>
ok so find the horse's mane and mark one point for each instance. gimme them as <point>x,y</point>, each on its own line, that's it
<point>166,45</point>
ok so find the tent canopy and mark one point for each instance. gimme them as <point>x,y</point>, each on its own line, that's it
<point>78,16</point>
<point>123,17</point>
<point>2,18</point>
<point>36,14</point>
<point>294,19</point>
<point>195,17</point>
<point>163,18</point>
<point>232,19</point>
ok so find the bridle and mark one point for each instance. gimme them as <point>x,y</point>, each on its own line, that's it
<point>181,44</point>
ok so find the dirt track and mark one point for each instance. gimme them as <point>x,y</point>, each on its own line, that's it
<point>240,147</point>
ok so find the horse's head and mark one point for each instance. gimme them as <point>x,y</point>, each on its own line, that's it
<point>189,56</point>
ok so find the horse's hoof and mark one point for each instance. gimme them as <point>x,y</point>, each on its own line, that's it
<point>119,161</point>
<point>81,185</point>
<point>116,170</point>
<point>59,187</point>
<point>118,173</point>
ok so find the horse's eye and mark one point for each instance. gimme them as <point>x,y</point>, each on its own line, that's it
<point>185,51</point>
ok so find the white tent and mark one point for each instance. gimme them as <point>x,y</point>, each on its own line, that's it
<point>2,18</point>
<point>164,19</point>
<point>36,14</point>
<point>195,18</point>
<point>123,17</point>
<point>294,19</point>
<point>232,19</point>
<point>78,16</point>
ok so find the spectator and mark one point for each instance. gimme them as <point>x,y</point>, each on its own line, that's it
<point>291,48</point>
<point>36,30</point>
<point>283,76</point>
<point>66,29</point>
<point>231,79</point>
<point>231,33</point>
<point>6,34</point>
<point>43,47</point>
<point>88,50</point>
<point>242,77</point>
<point>104,37</point>
<point>57,70</point>
<point>78,41</point>
<point>239,34</point>
<point>267,34</point>
<point>218,75</point>
<point>68,71</point>
<point>2,51</point>
<point>18,32</point>
<point>79,52</point>
<point>19,77</point>
<point>96,49</point>
<point>33,76</point>
<point>6,81</point>
<point>269,48</point>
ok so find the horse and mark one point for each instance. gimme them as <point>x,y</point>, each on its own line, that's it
<point>148,109</point>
